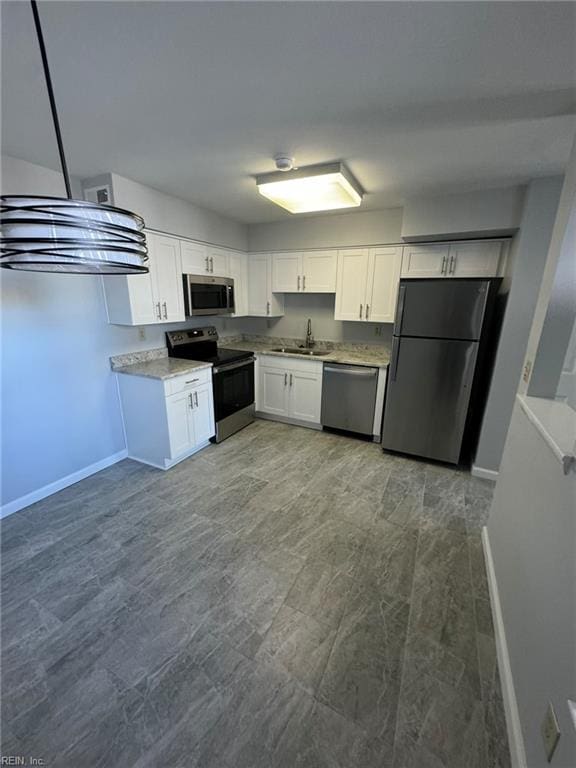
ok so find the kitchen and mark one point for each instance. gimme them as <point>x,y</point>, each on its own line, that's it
<point>245,493</point>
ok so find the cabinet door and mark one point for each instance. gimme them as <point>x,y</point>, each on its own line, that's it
<point>195,259</point>
<point>274,391</point>
<point>238,271</point>
<point>203,413</point>
<point>167,278</point>
<point>424,260</point>
<point>474,259</point>
<point>286,272</point>
<point>218,262</point>
<point>383,281</point>
<point>319,271</point>
<point>140,295</point>
<point>351,284</point>
<point>258,300</point>
<point>180,423</point>
<point>305,392</point>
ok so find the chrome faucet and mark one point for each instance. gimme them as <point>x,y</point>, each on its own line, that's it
<point>309,337</point>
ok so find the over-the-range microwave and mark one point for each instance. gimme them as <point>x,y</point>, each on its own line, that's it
<point>208,295</point>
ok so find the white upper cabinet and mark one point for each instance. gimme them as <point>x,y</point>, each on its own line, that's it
<point>286,272</point>
<point>166,270</point>
<point>262,302</point>
<point>238,271</point>
<point>384,269</point>
<point>319,271</point>
<point>195,259</point>
<point>367,284</point>
<point>351,284</point>
<point>156,297</point>
<point>309,272</point>
<point>462,259</point>
<point>218,262</point>
<point>424,260</point>
<point>475,259</point>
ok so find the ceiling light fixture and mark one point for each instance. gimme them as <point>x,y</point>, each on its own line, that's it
<point>313,188</point>
<point>54,234</point>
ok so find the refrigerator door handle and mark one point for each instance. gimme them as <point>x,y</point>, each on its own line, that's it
<point>394,360</point>
<point>399,310</point>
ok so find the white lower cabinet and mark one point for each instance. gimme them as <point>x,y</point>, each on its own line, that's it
<point>167,420</point>
<point>291,389</point>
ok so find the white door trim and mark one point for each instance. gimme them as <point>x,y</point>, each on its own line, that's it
<point>515,738</point>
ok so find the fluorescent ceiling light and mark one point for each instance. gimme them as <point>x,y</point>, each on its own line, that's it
<point>315,188</point>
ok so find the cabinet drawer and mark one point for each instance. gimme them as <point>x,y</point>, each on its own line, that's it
<point>188,381</point>
<point>290,363</point>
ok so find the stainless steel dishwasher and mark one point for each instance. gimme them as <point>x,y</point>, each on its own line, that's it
<point>349,397</point>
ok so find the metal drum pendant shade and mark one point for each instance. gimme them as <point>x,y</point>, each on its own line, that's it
<point>55,234</point>
<point>52,234</point>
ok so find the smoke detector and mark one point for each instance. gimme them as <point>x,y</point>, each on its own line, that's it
<point>284,162</point>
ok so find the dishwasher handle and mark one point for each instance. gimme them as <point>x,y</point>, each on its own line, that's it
<point>351,370</point>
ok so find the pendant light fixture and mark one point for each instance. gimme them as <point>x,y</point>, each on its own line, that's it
<point>54,234</point>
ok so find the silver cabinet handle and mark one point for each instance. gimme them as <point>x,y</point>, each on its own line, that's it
<point>267,307</point>
<point>290,379</point>
<point>165,310</point>
<point>367,310</point>
<point>443,265</point>
<point>158,312</point>
<point>211,264</point>
<point>285,379</point>
<point>452,265</point>
<point>192,381</point>
<point>360,315</point>
<point>207,264</point>
<point>298,282</point>
<point>196,398</point>
<point>190,400</point>
<point>304,283</point>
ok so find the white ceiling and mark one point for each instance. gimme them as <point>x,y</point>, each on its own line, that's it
<point>195,98</point>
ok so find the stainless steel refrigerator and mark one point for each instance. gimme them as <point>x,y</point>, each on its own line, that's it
<point>435,390</point>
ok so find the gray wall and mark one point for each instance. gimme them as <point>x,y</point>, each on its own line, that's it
<point>528,256</point>
<point>320,308</point>
<point>173,215</point>
<point>60,408</point>
<point>484,213</point>
<point>327,231</point>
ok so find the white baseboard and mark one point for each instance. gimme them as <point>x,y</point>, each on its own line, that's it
<point>515,738</point>
<point>485,474</point>
<point>58,485</point>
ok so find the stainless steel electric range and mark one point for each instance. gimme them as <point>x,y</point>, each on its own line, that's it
<point>232,376</point>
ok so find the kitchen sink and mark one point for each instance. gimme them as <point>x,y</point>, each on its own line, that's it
<point>301,351</point>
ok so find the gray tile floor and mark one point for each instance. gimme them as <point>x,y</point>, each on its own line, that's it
<point>287,599</point>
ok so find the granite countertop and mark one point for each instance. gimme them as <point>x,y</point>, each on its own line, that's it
<point>163,368</point>
<point>353,354</point>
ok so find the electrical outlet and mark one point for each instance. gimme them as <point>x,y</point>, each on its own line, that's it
<point>550,731</point>
<point>527,369</point>
<point>142,333</point>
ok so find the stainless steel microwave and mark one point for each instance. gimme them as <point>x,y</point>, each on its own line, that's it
<point>208,295</point>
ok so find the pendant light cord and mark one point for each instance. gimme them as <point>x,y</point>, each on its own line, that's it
<point>51,97</point>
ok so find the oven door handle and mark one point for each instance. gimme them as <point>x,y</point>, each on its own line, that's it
<point>232,366</point>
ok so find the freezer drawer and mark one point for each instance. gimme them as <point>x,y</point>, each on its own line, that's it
<point>444,309</point>
<point>427,397</point>
<point>349,397</point>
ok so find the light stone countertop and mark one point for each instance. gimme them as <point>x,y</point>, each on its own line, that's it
<point>163,368</point>
<point>354,354</point>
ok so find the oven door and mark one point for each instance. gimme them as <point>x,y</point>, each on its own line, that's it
<point>208,295</point>
<point>233,387</point>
